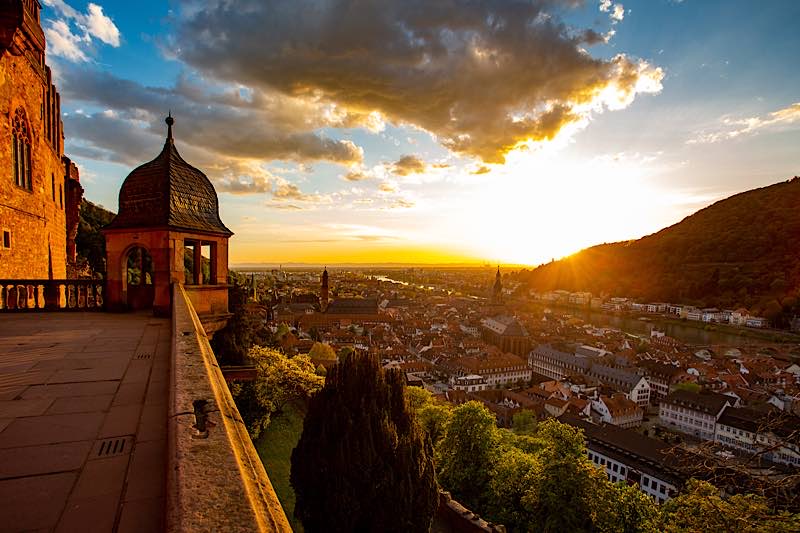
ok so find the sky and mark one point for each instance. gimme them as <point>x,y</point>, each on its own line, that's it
<point>454,131</point>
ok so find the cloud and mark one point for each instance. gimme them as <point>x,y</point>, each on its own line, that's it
<point>409,164</point>
<point>71,44</point>
<point>356,175</point>
<point>389,59</point>
<point>228,134</point>
<point>100,26</point>
<point>244,185</point>
<point>618,13</point>
<point>735,128</point>
<point>401,203</point>
<point>483,169</point>
<point>289,191</point>
<point>62,42</point>
<point>387,186</point>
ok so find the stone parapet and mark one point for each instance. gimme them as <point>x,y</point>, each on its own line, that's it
<point>215,480</point>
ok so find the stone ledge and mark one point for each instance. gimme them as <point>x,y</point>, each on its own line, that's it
<point>215,479</point>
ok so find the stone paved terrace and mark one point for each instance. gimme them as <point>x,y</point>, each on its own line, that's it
<point>83,421</point>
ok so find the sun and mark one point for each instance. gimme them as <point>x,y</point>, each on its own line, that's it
<point>542,206</point>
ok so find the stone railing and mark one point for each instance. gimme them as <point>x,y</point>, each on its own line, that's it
<point>19,295</point>
<point>215,480</point>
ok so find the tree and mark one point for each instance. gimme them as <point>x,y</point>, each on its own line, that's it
<point>322,352</point>
<point>362,462</point>
<point>688,386</point>
<point>243,330</point>
<point>524,422</point>
<point>468,453</point>
<point>279,380</point>
<point>566,495</point>
<point>626,509</point>
<point>701,508</point>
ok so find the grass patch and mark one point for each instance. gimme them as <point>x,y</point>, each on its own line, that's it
<point>275,447</point>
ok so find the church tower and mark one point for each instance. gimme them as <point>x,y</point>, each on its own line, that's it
<point>497,290</point>
<point>323,295</point>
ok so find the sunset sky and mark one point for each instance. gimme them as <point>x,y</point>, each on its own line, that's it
<point>435,131</point>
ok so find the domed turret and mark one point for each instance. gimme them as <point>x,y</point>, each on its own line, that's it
<point>169,192</point>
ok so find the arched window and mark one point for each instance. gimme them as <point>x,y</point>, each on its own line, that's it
<point>21,149</point>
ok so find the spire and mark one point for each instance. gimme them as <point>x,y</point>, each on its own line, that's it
<point>170,121</point>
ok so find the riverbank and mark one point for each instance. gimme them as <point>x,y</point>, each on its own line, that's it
<point>687,331</point>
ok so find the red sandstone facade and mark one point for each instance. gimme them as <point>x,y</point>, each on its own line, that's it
<point>40,192</point>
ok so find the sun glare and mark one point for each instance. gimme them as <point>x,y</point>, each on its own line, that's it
<point>547,207</point>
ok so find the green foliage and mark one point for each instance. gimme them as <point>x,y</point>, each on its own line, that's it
<point>345,352</point>
<point>688,386</point>
<point>322,352</point>
<point>626,509</point>
<point>362,462</point>
<point>738,252</point>
<point>274,447</point>
<point>279,380</point>
<point>700,507</point>
<point>89,242</point>
<point>524,422</point>
<point>244,329</point>
<point>468,454</point>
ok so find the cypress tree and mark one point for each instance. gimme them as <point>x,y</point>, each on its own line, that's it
<point>362,462</point>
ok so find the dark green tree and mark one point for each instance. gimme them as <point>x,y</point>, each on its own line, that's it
<point>244,330</point>
<point>362,462</point>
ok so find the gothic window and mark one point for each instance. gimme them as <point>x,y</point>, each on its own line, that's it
<point>21,150</point>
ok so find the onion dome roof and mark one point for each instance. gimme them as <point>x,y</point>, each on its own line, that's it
<point>169,192</point>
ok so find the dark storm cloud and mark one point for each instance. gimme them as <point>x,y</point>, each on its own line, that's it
<point>261,127</point>
<point>483,77</point>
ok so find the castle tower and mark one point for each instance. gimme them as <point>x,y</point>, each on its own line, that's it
<point>323,294</point>
<point>497,290</point>
<point>168,231</point>
<point>40,187</point>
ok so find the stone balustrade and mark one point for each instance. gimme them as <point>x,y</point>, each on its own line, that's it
<point>20,295</point>
<point>215,479</point>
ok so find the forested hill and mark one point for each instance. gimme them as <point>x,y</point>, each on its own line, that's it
<point>90,243</point>
<point>743,251</point>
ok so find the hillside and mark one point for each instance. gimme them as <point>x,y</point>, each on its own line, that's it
<point>743,251</point>
<point>90,243</point>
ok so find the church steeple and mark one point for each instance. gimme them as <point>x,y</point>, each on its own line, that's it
<point>497,290</point>
<point>323,295</point>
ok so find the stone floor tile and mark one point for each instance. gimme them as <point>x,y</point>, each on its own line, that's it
<point>46,459</point>
<point>71,389</point>
<point>89,515</point>
<point>51,429</point>
<point>148,470</point>
<point>34,502</point>
<point>138,371</point>
<point>153,424</point>
<point>80,404</point>
<point>129,393</point>
<point>101,477</point>
<point>142,515</point>
<point>121,420</point>
<point>18,408</point>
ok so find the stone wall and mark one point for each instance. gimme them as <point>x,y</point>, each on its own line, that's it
<point>216,481</point>
<point>35,219</point>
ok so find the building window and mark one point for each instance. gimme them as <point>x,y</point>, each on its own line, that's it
<point>61,196</point>
<point>21,150</point>
<point>6,238</point>
<point>53,180</point>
